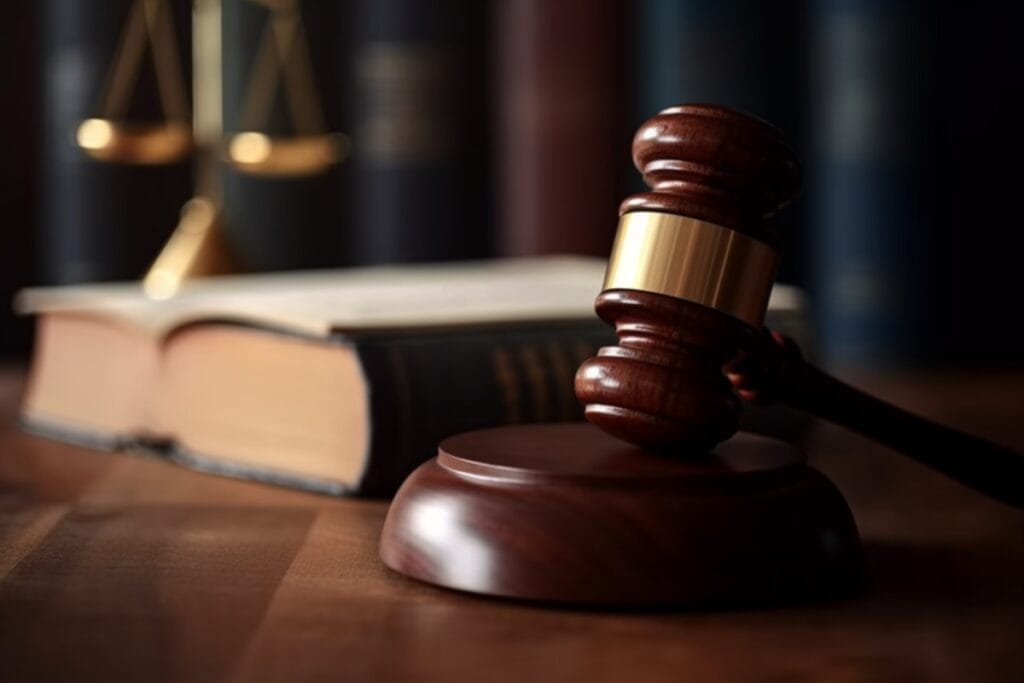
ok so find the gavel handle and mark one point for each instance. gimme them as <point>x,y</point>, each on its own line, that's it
<point>989,468</point>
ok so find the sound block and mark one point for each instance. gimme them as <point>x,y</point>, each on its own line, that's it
<point>564,513</point>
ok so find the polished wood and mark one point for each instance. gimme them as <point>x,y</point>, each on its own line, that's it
<point>662,386</point>
<point>121,567</point>
<point>717,165</point>
<point>536,513</point>
<point>565,513</point>
<point>774,370</point>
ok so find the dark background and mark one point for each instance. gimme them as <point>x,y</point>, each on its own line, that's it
<point>907,116</point>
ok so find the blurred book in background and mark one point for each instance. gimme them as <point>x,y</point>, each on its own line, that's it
<point>115,166</point>
<point>978,108</point>
<point>421,188</point>
<point>562,139</point>
<point>871,185</point>
<point>19,167</point>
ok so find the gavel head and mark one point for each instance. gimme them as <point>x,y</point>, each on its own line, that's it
<point>689,277</point>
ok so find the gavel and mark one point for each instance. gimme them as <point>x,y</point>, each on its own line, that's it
<point>662,502</point>
<point>687,289</point>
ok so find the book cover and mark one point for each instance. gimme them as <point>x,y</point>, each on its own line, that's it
<point>562,136</point>
<point>869,182</point>
<point>419,140</point>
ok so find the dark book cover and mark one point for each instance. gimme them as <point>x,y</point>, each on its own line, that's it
<point>18,169</point>
<point>282,84</point>
<point>564,145</point>
<point>426,387</point>
<point>977,198</point>
<point>107,219</point>
<point>420,176</point>
<point>869,181</point>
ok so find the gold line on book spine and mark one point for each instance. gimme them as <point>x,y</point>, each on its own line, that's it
<point>564,375</point>
<point>505,375</point>
<point>538,380</point>
<point>581,351</point>
<point>403,390</point>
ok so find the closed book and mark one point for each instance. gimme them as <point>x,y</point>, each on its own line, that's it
<point>869,183</point>
<point>561,100</point>
<point>340,382</point>
<point>123,64</point>
<point>18,171</point>
<point>743,54</point>
<point>419,143</point>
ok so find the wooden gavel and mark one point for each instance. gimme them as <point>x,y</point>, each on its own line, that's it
<point>659,503</point>
<point>687,289</point>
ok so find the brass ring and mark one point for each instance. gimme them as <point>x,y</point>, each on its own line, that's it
<point>694,260</point>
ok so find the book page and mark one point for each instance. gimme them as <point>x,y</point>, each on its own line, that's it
<point>319,303</point>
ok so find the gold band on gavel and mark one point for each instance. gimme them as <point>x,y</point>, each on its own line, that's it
<point>693,260</point>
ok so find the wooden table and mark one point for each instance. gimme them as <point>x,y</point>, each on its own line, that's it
<point>117,567</point>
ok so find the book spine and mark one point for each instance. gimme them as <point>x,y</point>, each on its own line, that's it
<point>976,187</point>
<point>18,172</point>
<point>282,77</point>
<point>744,54</point>
<point>104,220</point>
<point>738,53</point>
<point>426,388</point>
<point>868,180</point>
<point>561,121</point>
<point>419,144</point>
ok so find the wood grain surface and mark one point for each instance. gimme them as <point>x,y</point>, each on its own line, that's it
<point>121,567</point>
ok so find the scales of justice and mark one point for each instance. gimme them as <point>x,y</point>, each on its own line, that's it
<point>281,65</point>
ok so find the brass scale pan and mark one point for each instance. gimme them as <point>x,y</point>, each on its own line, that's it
<point>107,139</point>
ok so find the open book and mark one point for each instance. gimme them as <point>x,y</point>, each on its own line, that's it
<point>338,381</point>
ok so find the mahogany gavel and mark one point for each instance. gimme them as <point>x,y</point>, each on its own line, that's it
<point>687,289</point>
<point>664,505</point>
<point>689,277</point>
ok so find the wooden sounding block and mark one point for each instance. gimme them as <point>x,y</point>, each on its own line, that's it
<point>566,513</point>
<point>653,503</point>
